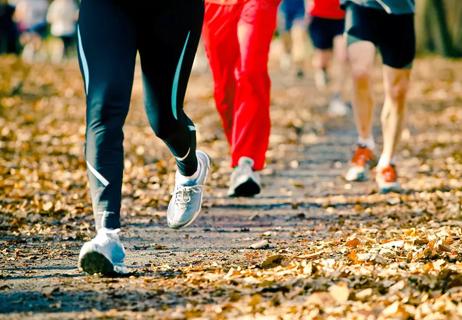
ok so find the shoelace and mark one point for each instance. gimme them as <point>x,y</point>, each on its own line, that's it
<point>183,195</point>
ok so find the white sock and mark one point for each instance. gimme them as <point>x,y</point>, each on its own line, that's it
<point>106,230</point>
<point>383,162</point>
<point>109,233</point>
<point>368,142</point>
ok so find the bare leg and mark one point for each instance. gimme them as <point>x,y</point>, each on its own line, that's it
<point>362,56</point>
<point>339,71</point>
<point>340,65</point>
<point>298,35</point>
<point>321,63</point>
<point>396,84</point>
<point>286,58</point>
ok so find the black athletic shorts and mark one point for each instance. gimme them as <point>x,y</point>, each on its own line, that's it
<point>323,31</point>
<point>393,35</point>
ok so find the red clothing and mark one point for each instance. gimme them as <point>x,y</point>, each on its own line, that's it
<point>328,9</point>
<point>225,2</point>
<point>237,41</point>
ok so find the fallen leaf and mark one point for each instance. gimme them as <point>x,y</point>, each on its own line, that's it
<point>272,261</point>
<point>340,292</point>
<point>263,244</point>
<point>364,294</point>
<point>353,243</point>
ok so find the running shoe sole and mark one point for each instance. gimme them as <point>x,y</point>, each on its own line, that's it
<point>392,187</point>
<point>247,189</point>
<point>94,262</point>
<point>358,177</point>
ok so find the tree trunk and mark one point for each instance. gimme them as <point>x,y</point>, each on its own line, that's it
<point>439,27</point>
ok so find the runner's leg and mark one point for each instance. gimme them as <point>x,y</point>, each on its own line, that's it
<point>362,56</point>
<point>298,36</point>
<point>251,127</point>
<point>396,84</point>
<point>222,47</point>
<point>166,73</point>
<point>360,33</point>
<point>321,38</point>
<point>397,47</point>
<point>340,65</point>
<point>293,33</point>
<point>339,73</point>
<point>285,21</point>
<point>107,51</point>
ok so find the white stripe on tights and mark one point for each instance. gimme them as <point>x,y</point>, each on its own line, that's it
<point>187,154</point>
<point>98,175</point>
<point>83,59</point>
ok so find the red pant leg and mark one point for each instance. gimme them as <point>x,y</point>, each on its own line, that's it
<point>222,48</point>
<point>251,127</point>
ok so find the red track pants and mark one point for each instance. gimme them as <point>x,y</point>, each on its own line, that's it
<point>237,40</point>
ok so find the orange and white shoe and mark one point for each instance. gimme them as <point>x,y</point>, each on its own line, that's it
<point>362,162</point>
<point>387,179</point>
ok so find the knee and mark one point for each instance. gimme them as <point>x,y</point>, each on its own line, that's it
<point>253,79</point>
<point>397,92</point>
<point>361,73</point>
<point>107,113</point>
<point>109,95</point>
<point>102,118</point>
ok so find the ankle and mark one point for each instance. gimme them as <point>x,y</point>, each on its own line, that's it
<point>193,176</point>
<point>367,142</point>
<point>385,161</point>
<point>105,234</point>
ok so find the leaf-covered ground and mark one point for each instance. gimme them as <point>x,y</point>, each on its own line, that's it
<point>310,247</point>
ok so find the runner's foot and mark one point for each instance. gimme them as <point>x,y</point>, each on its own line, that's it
<point>104,254</point>
<point>361,163</point>
<point>387,179</point>
<point>245,182</point>
<point>186,202</point>
<point>337,107</point>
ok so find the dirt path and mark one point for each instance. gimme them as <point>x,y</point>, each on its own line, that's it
<point>334,248</point>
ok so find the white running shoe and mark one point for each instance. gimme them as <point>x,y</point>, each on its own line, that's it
<point>387,179</point>
<point>186,202</point>
<point>104,254</point>
<point>337,107</point>
<point>245,182</point>
<point>362,162</point>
